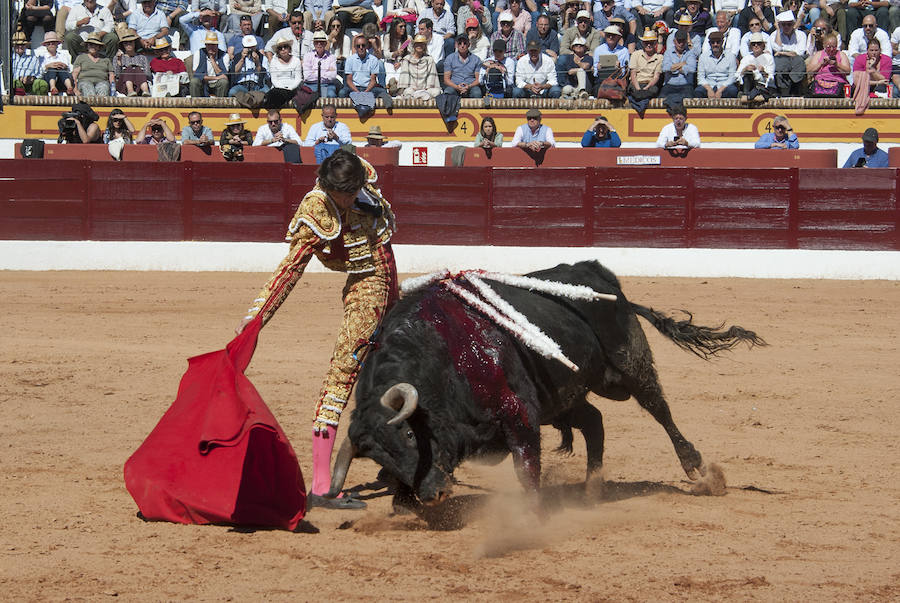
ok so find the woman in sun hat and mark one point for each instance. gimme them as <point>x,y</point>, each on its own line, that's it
<point>132,69</point>
<point>56,65</point>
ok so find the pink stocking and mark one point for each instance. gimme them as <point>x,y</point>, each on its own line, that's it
<point>322,445</point>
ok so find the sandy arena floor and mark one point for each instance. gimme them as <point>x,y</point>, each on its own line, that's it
<point>804,431</point>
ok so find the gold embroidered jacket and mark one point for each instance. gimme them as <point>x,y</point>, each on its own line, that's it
<point>342,241</point>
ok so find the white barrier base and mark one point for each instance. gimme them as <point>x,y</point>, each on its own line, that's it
<point>193,256</point>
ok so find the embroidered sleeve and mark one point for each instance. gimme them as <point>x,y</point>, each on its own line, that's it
<point>319,214</point>
<point>289,271</point>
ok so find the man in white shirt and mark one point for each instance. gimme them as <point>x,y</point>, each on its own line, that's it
<point>302,40</point>
<point>533,136</point>
<point>536,75</point>
<point>679,134</point>
<point>87,18</point>
<point>443,23</point>
<point>859,39</point>
<point>435,43</point>
<point>329,130</point>
<point>276,133</point>
<point>789,49</point>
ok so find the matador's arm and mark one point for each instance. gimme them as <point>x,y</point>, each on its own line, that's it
<point>285,276</point>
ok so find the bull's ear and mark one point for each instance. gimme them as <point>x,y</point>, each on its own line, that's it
<point>402,398</point>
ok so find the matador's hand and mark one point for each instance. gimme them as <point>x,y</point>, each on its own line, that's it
<point>244,323</point>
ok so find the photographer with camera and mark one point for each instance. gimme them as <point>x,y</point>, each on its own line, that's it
<point>601,134</point>
<point>79,126</point>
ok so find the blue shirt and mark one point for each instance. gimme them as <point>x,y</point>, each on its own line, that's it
<point>187,133</point>
<point>685,76</point>
<point>610,140</point>
<point>147,26</point>
<point>462,72</point>
<point>361,70</point>
<point>879,159</point>
<point>620,51</point>
<point>551,42</point>
<point>765,141</point>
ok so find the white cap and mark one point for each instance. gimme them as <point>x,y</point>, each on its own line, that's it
<point>505,16</point>
<point>248,41</point>
<point>785,17</point>
<point>583,13</point>
<point>582,41</point>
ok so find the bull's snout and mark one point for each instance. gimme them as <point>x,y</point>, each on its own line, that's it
<point>438,498</point>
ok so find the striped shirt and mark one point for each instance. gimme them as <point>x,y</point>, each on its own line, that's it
<point>25,65</point>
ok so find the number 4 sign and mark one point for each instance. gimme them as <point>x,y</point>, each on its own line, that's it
<point>420,156</point>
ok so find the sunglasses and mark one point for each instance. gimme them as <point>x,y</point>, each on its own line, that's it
<point>756,44</point>
<point>780,128</point>
<point>868,25</point>
<point>755,23</point>
<point>196,122</point>
<point>274,121</point>
<point>361,46</point>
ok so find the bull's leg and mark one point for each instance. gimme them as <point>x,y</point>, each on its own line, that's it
<point>589,421</point>
<point>648,392</point>
<point>525,445</point>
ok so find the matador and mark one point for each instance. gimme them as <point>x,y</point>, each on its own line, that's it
<point>347,224</point>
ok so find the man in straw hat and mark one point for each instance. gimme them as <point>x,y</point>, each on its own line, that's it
<point>320,67</point>
<point>685,24</point>
<point>149,23</point>
<point>90,18</point>
<point>376,139</point>
<point>26,69</point>
<point>210,69</point>
<point>645,67</point>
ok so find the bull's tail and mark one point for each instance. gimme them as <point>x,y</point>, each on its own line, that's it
<point>697,339</point>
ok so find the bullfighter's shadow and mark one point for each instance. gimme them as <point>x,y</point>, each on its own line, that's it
<point>458,511</point>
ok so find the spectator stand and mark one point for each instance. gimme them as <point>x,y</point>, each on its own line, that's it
<point>814,120</point>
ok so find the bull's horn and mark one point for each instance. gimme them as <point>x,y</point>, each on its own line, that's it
<point>403,398</point>
<point>341,465</point>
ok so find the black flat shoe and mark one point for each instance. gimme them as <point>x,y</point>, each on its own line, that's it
<point>344,502</point>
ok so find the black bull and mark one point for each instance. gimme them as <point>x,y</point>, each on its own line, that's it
<point>445,383</point>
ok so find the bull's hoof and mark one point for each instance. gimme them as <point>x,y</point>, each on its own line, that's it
<point>344,502</point>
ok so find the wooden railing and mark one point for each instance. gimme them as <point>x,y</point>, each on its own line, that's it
<point>783,208</point>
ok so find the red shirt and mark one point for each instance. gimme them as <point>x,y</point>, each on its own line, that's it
<point>173,64</point>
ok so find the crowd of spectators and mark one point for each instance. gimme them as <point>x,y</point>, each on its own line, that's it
<point>675,49</point>
<point>328,135</point>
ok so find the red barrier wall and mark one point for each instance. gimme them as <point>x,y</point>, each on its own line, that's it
<point>624,206</point>
<point>597,157</point>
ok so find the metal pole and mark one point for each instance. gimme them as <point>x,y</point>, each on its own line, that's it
<point>6,13</point>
